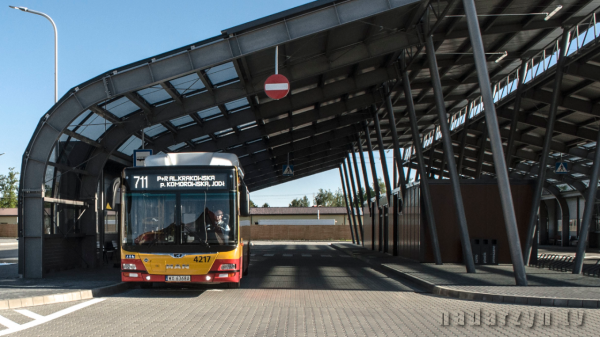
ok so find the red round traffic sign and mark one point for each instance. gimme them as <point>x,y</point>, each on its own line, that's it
<point>277,86</point>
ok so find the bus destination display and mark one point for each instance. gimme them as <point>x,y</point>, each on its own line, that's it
<point>155,181</point>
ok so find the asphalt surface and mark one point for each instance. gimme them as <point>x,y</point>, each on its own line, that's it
<point>296,290</point>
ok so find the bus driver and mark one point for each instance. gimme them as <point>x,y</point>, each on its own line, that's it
<point>220,221</point>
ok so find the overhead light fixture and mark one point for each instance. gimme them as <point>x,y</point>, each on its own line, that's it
<point>502,57</point>
<point>551,14</point>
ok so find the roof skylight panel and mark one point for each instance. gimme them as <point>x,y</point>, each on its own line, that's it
<point>209,113</point>
<point>154,130</point>
<point>187,84</point>
<point>176,146</point>
<point>93,127</point>
<point>133,143</point>
<point>154,94</point>
<point>182,121</point>
<point>222,73</point>
<point>121,107</point>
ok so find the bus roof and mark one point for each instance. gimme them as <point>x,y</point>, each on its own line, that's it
<point>193,159</point>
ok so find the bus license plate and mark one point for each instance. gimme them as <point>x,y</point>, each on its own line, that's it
<point>178,279</point>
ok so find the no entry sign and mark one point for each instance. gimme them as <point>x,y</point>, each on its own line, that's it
<point>277,86</point>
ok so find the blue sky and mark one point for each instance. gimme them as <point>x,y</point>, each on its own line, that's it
<point>96,36</point>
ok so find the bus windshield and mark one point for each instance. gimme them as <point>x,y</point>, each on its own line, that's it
<point>180,219</point>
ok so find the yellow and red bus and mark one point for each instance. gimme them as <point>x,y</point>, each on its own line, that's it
<point>180,217</point>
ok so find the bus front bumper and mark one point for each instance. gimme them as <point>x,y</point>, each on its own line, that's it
<point>212,277</point>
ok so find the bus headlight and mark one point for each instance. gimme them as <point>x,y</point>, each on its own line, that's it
<point>129,266</point>
<point>228,266</point>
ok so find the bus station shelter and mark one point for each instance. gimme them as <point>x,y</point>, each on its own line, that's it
<point>495,90</point>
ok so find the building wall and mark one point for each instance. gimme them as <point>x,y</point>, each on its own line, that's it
<point>8,220</point>
<point>485,219</point>
<point>296,232</point>
<point>340,219</point>
<point>8,231</point>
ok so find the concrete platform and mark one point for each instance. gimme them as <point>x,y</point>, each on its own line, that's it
<point>490,283</point>
<point>66,286</point>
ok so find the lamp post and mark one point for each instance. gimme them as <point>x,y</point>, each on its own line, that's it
<point>27,10</point>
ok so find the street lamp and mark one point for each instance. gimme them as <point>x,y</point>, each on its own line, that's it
<point>27,10</point>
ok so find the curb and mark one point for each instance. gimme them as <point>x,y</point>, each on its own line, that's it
<point>506,299</point>
<point>64,297</point>
<point>484,297</point>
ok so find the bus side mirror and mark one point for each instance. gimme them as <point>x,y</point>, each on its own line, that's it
<point>244,200</point>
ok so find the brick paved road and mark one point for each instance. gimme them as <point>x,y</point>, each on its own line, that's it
<point>323,294</point>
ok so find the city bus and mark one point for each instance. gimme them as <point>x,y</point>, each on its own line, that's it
<point>180,220</point>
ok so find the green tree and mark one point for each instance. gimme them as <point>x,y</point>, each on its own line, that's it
<point>381,184</point>
<point>300,202</point>
<point>266,205</point>
<point>327,198</point>
<point>8,189</point>
<point>252,204</point>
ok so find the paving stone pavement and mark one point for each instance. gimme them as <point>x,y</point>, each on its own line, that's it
<point>57,283</point>
<point>286,296</point>
<point>489,279</point>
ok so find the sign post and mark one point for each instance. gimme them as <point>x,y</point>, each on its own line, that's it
<point>277,86</point>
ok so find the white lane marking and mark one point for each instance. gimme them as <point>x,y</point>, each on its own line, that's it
<point>276,86</point>
<point>8,323</point>
<point>306,255</point>
<point>288,255</point>
<point>269,254</point>
<point>29,314</point>
<point>44,319</point>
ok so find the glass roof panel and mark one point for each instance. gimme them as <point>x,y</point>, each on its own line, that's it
<point>176,146</point>
<point>247,125</point>
<point>223,132</point>
<point>208,113</point>
<point>187,84</point>
<point>182,120</point>
<point>154,130</point>
<point>79,119</point>
<point>201,139</point>
<point>222,73</point>
<point>237,104</point>
<point>154,94</point>
<point>122,107</point>
<point>93,127</point>
<point>133,143</point>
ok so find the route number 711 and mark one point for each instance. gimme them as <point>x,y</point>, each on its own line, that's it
<point>142,179</point>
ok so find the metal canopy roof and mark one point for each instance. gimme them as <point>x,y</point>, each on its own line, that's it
<point>209,96</point>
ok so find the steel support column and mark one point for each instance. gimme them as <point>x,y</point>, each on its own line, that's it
<point>588,211</point>
<point>392,121</point>
<point>517,108</point>
<point>449,154</point>
<point>352,202</point>
<point>386,175</point>
<point>360,195</point>
<point>347,204</point>
<point>364,171</point>
<point>491,118</point>
<point>537,196</point>
<point>372,162</point>
<point>375,182</point>
<point>384,229</point>
<point>359,230</point>
<point>463,140</point>
<point>481,153</point>
<point>414,128</point>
